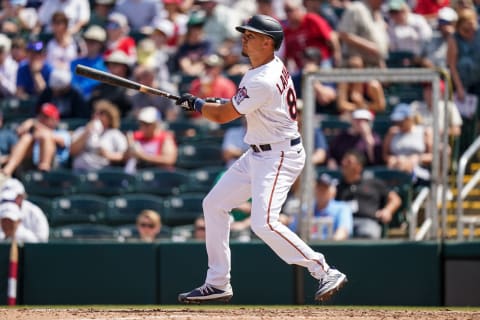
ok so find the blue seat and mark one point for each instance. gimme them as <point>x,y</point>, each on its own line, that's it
<point>161,181</point>
<point>203,179</point>
<point>182,209</point>
<point>124,209</point>
<point>107,182</point>
<point>84,232</point>
<point>51,184</point>
<point>193,156</point>
<point>44,203</point>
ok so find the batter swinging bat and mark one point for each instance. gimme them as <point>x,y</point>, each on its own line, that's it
<point>114,80</point>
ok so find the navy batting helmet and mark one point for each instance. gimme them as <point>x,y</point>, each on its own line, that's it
<point>265,25</point>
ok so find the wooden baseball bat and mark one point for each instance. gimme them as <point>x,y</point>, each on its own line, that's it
<point>114,80</point>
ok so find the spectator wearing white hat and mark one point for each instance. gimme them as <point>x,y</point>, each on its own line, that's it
<point>70,103</point>
<point>33,218</point>
<point>78,12</point>
<point>434,53</point>
<point>118,38</point>
<point>94,37</point>
<point>359,137</point>
<point>151,145</point>
<point>8,69</point>
<point>11,225</point>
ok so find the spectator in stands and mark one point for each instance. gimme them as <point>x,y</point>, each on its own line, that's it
<point>189,55</point>
<point>325,93</point>
<point>337,213</point>
<point>320,145</point>
<point>33,74</point>
<point>162,31</point>
<point>234,64</point>
<point>8,69</point>
<point>17,19</point>
<point>40,143</point>
<point>407,31</point>
<point>174,13</point>
<point>463,55</point>
<point>233,145</point>
<point>363,31</point>
<point>60,92</point>
<point>359,137</point>
<point>94,38</point>
<point>33,218</point>
<point>353,96</point>
<point>101,11</point>
<point>199,228</point>
<point>118,38</point>
<point>430,9</point>
<point>424,109</point>
<point>78,12</point>
<point>372,203</point>
<point>62,49</point>
<point>151,146</point>
<point>11,224</point>
<point>8,139</point>
<point>139,13</point>
<point>407,146</point>
<point>149,225</point>
<point>119,64</point>
<point>100,143</point>
<point>212,83</point>
<point>146,76</point>
<point>220,21</point>
<point>303,29</point>
<point>19,49</point>
<point>434,52</point>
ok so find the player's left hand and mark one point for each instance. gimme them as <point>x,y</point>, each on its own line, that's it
<point>189,102</point>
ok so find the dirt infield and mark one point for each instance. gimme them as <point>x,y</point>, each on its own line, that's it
<point>237,313</point>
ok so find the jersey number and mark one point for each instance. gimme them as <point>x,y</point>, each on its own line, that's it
<point>292,103</point>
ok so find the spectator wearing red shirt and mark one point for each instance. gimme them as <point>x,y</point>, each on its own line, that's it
<point>150,146</point>
<point>118,38</point>
<point>429,8</point>
<point>304,29</point>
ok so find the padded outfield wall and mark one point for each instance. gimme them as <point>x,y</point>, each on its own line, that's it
<point>383,273</point>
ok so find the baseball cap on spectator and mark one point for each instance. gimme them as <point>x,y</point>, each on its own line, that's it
<point>11,189</point>
<point>117,20</point>
<point>396,5</point>
<point>148,115</point>
<point>165,26</point>
<point>401,112</point>
<point>50,110</point>
<point>95,33</point>
<point>447,15</point>
<point>362,114</point>
<point>120,57</point>
<point>9,210</point>
<point>35,46</point>
<point>196,19</point>
<point>60,78</point>
<point>327,180</point>
<point>213,60</point>
<point>5,43</point>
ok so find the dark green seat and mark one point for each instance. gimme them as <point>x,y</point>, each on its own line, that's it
<point>161,181</point>
<point>43,203</point>
<point>78,208</point>
<point>124,209</point>
<point>193,156</point>
<point>51,184</point>
<point>203,179</point>
<point>107,182</point>
<point>332,125</point>
<point>182,209</point>
<point>15,108</point>
<point>84,232</point>
<point>71,124</point>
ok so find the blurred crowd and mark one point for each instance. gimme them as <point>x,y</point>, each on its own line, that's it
<point>192,46</point>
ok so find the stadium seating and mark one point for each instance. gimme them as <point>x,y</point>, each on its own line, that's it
<point>107,182</point>
<point>15,109</point>
<point>182,209</point>
<point>161,181</point>
<point>130,232</point>
<point>53,183</point>
<point>124,209</point>
<point>78,208</point>
<point>43,203</point>
<point>84,232</point>
<point>71,124</point>
<point>203,179</point>
<point>193,156</point>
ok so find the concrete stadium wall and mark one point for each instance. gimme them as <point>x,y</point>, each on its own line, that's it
<point>384,273</point>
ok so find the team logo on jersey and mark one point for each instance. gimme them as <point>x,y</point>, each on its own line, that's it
<point>241,95</point>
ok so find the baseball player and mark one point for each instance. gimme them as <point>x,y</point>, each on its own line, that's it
<point>266,97</point>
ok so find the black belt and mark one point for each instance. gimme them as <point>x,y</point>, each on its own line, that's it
<point>268,147</point>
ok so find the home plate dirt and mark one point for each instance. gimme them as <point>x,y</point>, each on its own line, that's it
<point>237,313</point>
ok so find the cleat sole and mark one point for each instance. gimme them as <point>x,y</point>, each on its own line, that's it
<point>327,295</point>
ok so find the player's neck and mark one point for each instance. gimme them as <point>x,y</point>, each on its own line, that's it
<point>260,61</point>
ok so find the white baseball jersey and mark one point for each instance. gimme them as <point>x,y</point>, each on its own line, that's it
<point>267,98</point>
<point>35,220</point>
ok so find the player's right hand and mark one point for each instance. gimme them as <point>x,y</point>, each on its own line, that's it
<point>187,102</point>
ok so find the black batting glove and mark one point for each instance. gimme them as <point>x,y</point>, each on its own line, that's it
<point>189,102</point>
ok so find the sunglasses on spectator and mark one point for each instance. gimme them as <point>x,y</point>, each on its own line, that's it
<point>113,25</point>
<point>146,225</point>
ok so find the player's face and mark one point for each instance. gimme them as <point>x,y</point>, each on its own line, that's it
<point>252,42</point>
